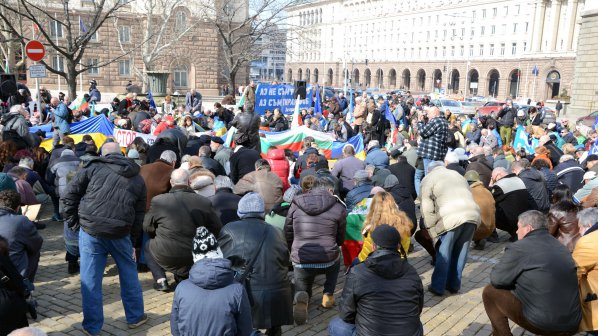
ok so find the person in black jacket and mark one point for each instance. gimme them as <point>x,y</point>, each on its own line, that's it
<point>534,284</point>
<point>555,152</point>
<point>383,295</point>
<point>535,184</point>
<point>405,173</point>
<point>13,307</point>
<point>242,162</point>
<point>107,199</point>
<point>247,134</point>
<point>506,116</point>
<point>402,196</point>
<point>208,163</point>
<point>224,200</point>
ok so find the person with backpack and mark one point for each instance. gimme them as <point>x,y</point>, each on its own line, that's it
<point>60,125</point>
<point>16,128</point>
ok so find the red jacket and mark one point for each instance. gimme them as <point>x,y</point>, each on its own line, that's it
<point>279,165</point>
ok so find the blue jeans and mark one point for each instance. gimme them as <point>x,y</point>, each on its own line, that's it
<point>419,176</point>
<point>426,164</point>
<point>94,252</point>
<point>451,256</point>
<point>338,327</point>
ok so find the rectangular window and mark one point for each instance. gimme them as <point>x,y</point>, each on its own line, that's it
<point>472,32</point>
<point>462,51</point>
<point>473,15</point>
<point>514,49</point>
<point>435,51</point>
<point>180,22</point>
<point>470,50</point>
<point>453,51</point>
<point>524,46</point>
<point>427,36</point>
<point>493,29</point>
<point>436,34</point>
<point>492,50</point>
<point>483,13</point>
<point>443,51</point>
<point>506,10</point>
<point>93,64</point>
<point>180,77</point>
<point>462,32</point>
<point>482,30</point>
<point>526,26</point>
<point>494,12</point>
<point>444,35</point>
<point>58,63</point>
<point>124,34</point>
<point>502,49</point>
<point>481,50</point>
<point>94,37</point>
<point>515,27</point>
<point>427,51</point>
<point>124,68</point>
<point>55,29</point>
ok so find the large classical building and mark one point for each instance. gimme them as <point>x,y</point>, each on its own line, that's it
<point>517,48</point>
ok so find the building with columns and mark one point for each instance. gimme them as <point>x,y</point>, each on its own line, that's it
<point>500,48</point>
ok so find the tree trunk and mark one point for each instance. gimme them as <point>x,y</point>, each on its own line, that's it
<point>231,82</point>
<point>71,79</point>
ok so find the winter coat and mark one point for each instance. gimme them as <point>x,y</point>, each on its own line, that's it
<point>456,167</point>
<point>157,179</point>
<point>405,173</point>
<point>13,307</point>
<point>411,155</point>
<point>225,202</point>
<point>108,198</point>
<point>542,275</point>
<point>380,176</point>
<point>482,166</point>
<point>434,135</point>
<point>563,226</point>
<point>280,166</point>
<point>263,182</point>
<point>345,169</point>
<point>376,157</point>
<point>95,95</point>
<point>501,161</point>
<point>212,165</point>
<point>334,108</point>
<point>242,162</point>
<point>249,93</point>
<point>156,150</point>
<point>248,125</point>
<point>506,116</point>
<point>269,284</point>
<point>447,202</point>
<point>361,191</point>
<point>17,123</point>
<point>25,190</point>
<point>483,198</point>
<point>315,227</point>
<point>586,190</point>
<point>474,135</point>
<point>570,173</point>
<point>171,223</point>
<point>404,200</point>
<point>61,114</point>
<point>551,180</point>
<point>382,296</point>
<point>359,114</point>
<point>536,187</point>
<point>511,199</point>
<point>223,156</point>
<point>585,255</point>
<point>24,242</point>
<point>224,302</point>
<point>555,153</point>
<point>60,171</point>
<point>301,163</point>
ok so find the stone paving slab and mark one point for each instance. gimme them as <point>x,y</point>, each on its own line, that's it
<point>59,297</point>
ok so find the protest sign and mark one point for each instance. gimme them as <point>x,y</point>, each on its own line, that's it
<point>271,96</point>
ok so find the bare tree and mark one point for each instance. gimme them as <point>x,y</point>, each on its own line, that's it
<point>165,23</point>
<point>246,28</point>
<point>62,18</point>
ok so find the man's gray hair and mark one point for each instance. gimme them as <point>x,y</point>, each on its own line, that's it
<point>185,158</point>
<point>587,217</point>
<point>566,157</point>
<point>451,157</point>
<point>534,218</point>
<point>349,149</point>
<point>111,148</point>
<point>222,181</point>
<point>373,143</point>
<point>28,331</point>
<point>168,156</point>
<point>179,177</point>
<point>433,165</point>
<point>16,109</point>
<point>26,162</point>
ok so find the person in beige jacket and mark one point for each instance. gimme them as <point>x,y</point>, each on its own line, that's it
<point>585,255</point>
<point>359,114</point>
<point>452,216</point>
<point>262,181</point>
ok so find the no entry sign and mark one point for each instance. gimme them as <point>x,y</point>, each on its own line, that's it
<point>35,50</point>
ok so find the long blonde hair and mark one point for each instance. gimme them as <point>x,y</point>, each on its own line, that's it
<point>384,210</point>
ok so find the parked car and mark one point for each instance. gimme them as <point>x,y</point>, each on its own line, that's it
<point>469,107</point>
<point>588,120</point>
<point>448,104</point>
<point>492,108</point>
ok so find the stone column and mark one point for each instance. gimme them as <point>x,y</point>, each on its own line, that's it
<point>555,16</point>
<point>584,93</point>
<point>539,16</point>
<point>572,20</point>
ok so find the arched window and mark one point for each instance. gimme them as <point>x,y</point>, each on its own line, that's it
<point>180,76</point>
<point>180,22</point>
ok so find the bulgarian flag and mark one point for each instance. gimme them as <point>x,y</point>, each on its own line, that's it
<point>297,121</point>
<point>79,104</point>
<point>353,232</point>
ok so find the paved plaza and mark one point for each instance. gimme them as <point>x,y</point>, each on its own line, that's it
<point>59,297</point>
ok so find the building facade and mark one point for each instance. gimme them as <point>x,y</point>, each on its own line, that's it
<point>194,61</point>
<point>270,65</point>
<point>497,48</point>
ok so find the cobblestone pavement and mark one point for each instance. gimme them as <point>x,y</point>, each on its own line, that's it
<point>59,297</point>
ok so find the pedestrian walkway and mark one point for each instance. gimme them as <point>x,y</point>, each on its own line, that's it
<point>59,298</point>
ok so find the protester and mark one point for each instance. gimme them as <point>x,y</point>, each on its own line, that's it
<point>224,201</point>
<point>479,164</point>
<point>345,168</point>
<point>259,253</point>
<point>383,295</point>
<point>247,124</point>
<point>279,165</point>
<point>278,215</point>
<point>110,224</point>
<point>376,156</point>
<point>222,153</point>
<point>208,163</point>
<point>434,134</point>
<point>315,230</point>
<point>511,198</point>
<point>562,223</point>
<point>569,172</point>
<point>405,174</point>
<point>537,291</point>
<point>242,162</point>
<point>584,255</point>
<point>535,183</point>
<point>262,181</point>
<point>13,307</point>
<point>156,175</point>
<point>485,201</point>
<point>361,190</point>
<point>402,197</point>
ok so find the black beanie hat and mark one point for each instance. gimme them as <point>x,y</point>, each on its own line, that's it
<point>386,237</point>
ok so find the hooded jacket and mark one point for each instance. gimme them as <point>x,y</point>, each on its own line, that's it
<point>358,193</point>
<point>535,184</point>
<point>107,197</point>
<point>404,201</point>
<point>60,170</point>
<point>24,242</point>
<point>511,200</point>
<point>383,296</point>
<point>315,227</point>
<point>224,302</point>
<point>481,165</point>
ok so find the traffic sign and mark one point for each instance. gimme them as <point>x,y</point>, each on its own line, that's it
<point>37,71</point>
<point>35,50</point>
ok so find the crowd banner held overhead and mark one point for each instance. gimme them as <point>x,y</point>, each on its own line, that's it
<point>521,141</point>
<point>271,96</point>
<point>125,137</point>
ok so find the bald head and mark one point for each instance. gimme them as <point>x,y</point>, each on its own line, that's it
<point>111,148</point>
<point>179,177</point>
<point>433,112</point>
<point>477,150</point>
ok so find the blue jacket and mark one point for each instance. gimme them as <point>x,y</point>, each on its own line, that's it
<point>61,114</point>
<point>376,157</point>
<point>357,194</point>
<point>210,302</point>
<point>24,242</point>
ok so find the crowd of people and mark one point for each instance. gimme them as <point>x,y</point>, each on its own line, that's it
<point>243,233</point>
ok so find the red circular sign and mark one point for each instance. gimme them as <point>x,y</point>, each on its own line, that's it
<point>35,50</point>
